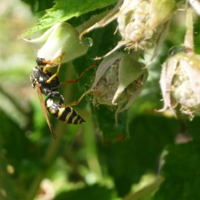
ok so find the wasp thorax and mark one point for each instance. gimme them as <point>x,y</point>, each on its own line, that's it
<point>180,84</point>
<point>119,80</point>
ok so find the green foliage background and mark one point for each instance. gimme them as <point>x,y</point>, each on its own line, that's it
<point>94,160</point>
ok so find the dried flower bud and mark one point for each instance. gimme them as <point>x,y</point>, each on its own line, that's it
<point>161,11</point>
<point>118,82</point>
<point>180,83</point>
<point>61,39</point>
<point>142,23</point>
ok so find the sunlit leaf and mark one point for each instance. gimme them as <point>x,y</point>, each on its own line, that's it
<point>65,10</point>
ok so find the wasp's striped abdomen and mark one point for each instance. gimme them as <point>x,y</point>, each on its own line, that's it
<point>67,115</point>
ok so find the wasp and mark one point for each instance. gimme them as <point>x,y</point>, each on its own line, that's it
<point>48,83</point>
<point>65,114</point>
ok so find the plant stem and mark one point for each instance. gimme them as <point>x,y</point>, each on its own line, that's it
<point>188,41</point>
<point>91,21</point>
<point>91,150</point>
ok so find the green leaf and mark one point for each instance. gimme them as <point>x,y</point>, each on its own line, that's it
<point>6,183</point>
<point>19,150</point>
<point>182,169</point>
<point>45,4</point>
<point>181,173</point>
<point>127,161</point>
<point>87,193</point>
<point>37,6</point>
<point>65,10</point>
<point>106,121</point>
<point>19,153</point>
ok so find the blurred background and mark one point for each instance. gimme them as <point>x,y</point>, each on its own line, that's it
<point>80,163</point>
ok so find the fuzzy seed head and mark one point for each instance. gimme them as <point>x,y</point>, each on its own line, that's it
<point>180,84</point>
<point>142,22</point>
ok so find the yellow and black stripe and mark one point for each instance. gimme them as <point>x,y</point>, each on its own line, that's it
<point>39,79</point>
<point>67,115</point>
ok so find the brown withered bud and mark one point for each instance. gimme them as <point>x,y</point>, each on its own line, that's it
<point>118,82</point>
<point>180,84</point>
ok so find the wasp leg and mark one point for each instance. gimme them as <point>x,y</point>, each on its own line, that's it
<point>41,61</point>
<point>75,103</point>
<point>58,67</point>
<point>76,80</point>
<point>52,63</point>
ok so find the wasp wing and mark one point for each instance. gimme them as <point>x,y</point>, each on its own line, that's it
<point>44,110</point>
